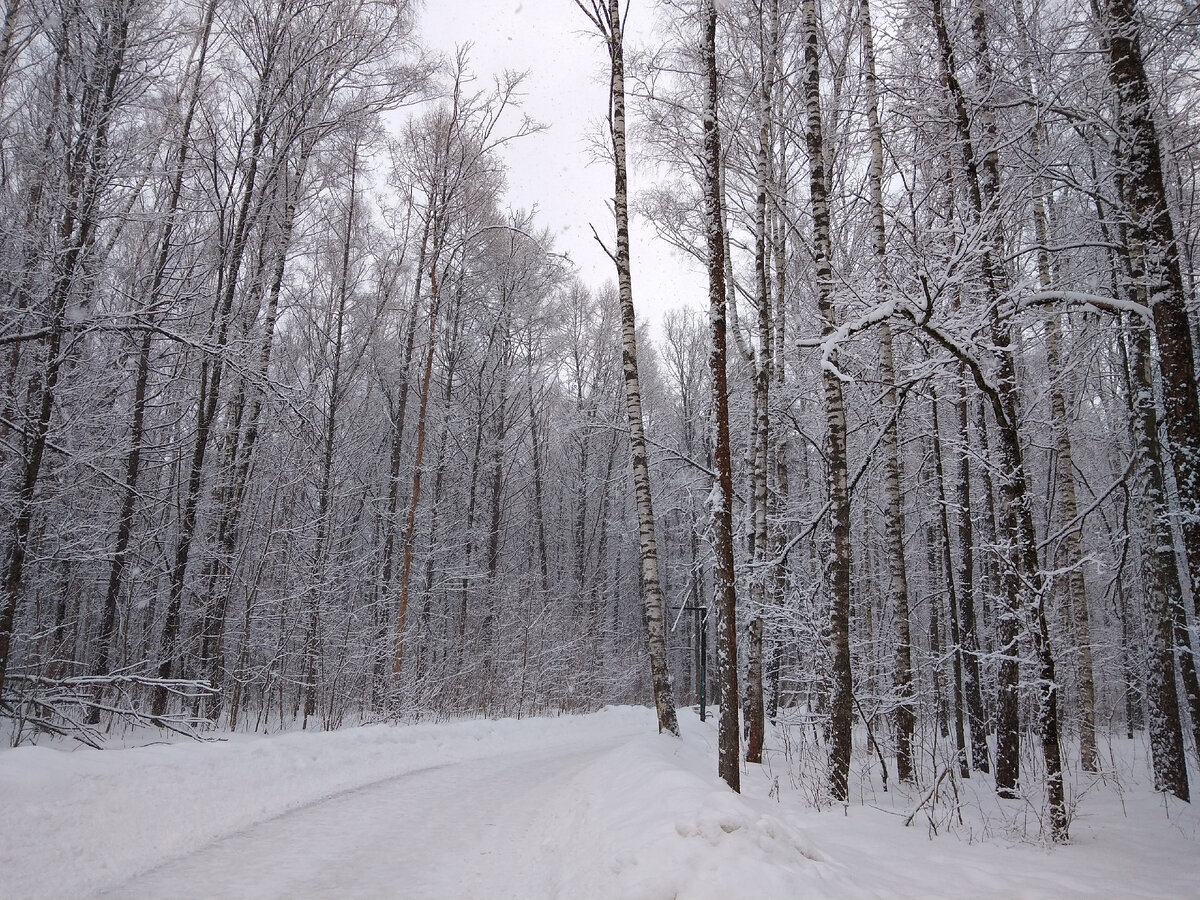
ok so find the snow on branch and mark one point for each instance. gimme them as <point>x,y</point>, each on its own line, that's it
<point>72,707</point>
<point>829,343</point>
<point>1089,302</point>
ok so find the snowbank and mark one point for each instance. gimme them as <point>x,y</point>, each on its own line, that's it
<point>651,820</point>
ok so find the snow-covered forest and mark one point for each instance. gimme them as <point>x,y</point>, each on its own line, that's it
<point>304,425</point>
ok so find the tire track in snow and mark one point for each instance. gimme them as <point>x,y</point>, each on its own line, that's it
<point>164,867</point>
<point>462,829</point>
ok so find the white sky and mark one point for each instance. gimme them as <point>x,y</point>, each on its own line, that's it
<point>555,169</point>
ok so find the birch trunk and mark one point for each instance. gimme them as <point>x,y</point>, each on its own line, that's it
<point>1071,549</point>
<point>760,576</point>
<point>894,509</point>
<point>608,21</point>
<point>842,700</point>
<point>724,596</point>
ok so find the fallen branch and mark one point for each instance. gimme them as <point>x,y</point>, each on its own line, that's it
<point>932,793</point>
<point>71,707</point>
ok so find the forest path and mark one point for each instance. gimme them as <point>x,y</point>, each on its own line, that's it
<point>459,829</point>
<point>589,807</point>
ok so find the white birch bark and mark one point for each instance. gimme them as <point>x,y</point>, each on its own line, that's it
<point>608,21</point>
<point>842,700</point>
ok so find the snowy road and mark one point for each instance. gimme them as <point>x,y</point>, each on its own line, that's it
<point>464,809</point>
<point>590,807</point>
<point>437,832</point>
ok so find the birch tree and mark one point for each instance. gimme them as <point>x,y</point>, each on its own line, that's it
<point>609,23</point>
<point>721,499</point>
<point>841,702</point>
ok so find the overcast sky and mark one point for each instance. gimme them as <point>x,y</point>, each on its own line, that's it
<point>565,90</point>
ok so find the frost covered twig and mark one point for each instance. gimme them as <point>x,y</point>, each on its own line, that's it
<point>70,707</point>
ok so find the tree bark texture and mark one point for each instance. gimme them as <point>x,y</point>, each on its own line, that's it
<point>842,700</point>
<point>724,595</point>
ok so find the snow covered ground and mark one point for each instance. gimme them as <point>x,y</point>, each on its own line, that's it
<point>575,807</point>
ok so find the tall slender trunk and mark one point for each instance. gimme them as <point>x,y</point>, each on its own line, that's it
<point>1157,271</point>
<point>211,373</point>
<point>452,358</point>
<point>965,531</point>
<point>398,409</point>
<point>937,661</point>
<point>1024,590</point>
<point>472,502</point>
<point>894,510</point>
<point>956,629</point>
<point>842,700</point>
<point>1008,669</point>
<point>760,574</point>
<point>244,439</point>
<point>336,327</point>
<point>780,449</point>
<point>1161,577</point>
<point>1071,549</point>
<point>410,522</point>
<point>609,21</point>
<point>538,478</point>
<point>398,415</point>
<point>496,490</point>
<point>724,595</point>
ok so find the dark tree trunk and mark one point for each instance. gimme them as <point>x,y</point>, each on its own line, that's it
<point>1161,576</point>
<point>956,629</point>
<point>1024,590</point>
<point>724,596</point>
<point>211,373</point>
<point>133,459</point>
<point>1156,273</point>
